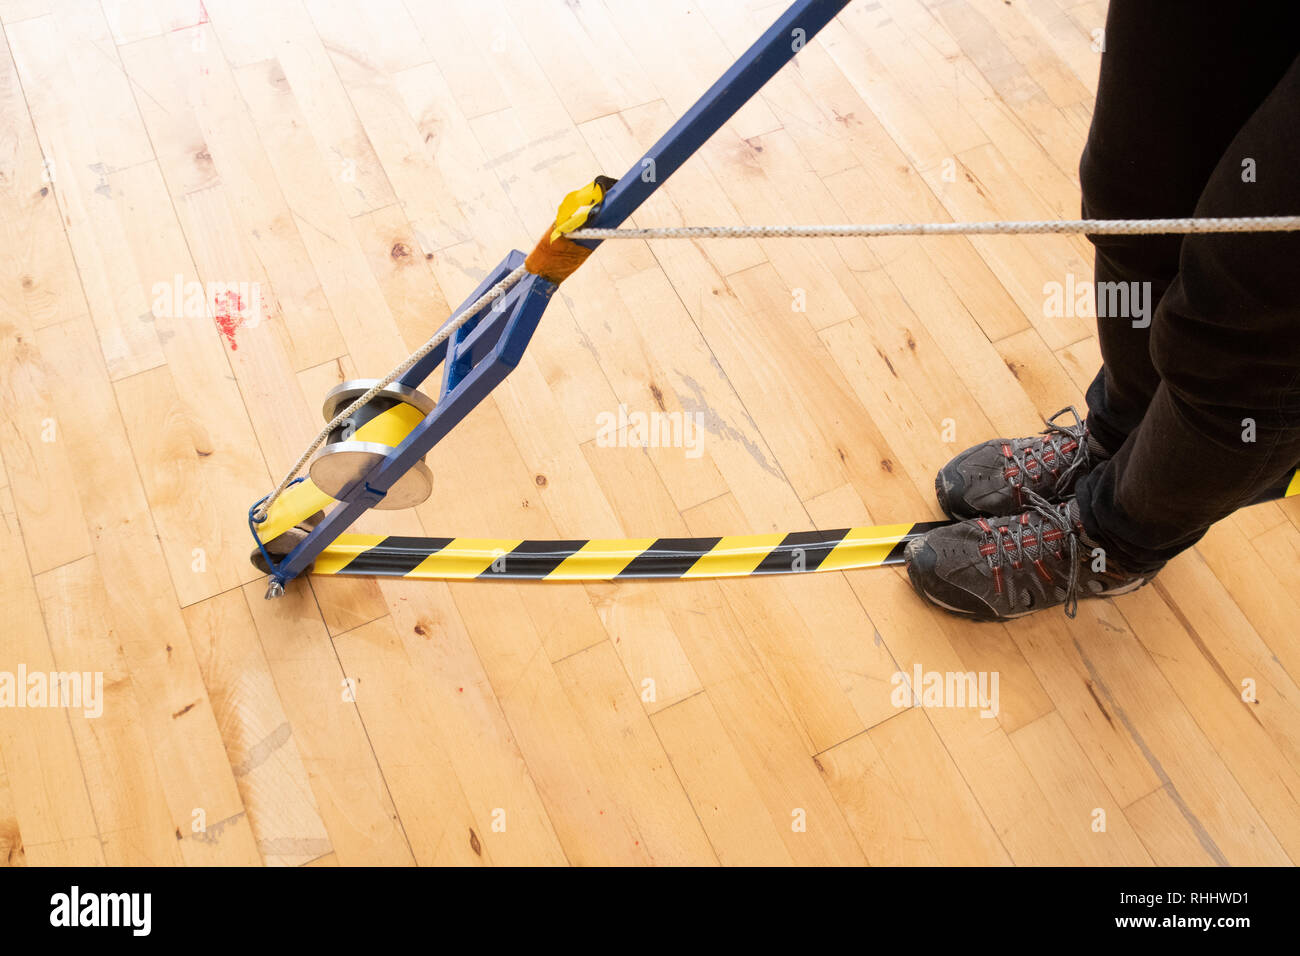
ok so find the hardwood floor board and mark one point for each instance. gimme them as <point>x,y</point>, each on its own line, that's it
<point>212,213</point>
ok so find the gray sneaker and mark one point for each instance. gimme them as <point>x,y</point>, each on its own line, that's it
<point>995,569</point>
<point>992,478</point>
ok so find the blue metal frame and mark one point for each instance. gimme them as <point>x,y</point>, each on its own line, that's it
<point>487,348</point>
<point>475,364</point>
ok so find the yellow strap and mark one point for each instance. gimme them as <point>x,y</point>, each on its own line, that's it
<point>298,503</point>
<point>304,499</point>
<point>575,208</point>
<point>390,427</point>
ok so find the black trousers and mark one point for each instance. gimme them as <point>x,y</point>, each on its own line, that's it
<point>1197,113</point>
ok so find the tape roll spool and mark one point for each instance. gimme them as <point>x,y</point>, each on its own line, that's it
<point>361,442</point>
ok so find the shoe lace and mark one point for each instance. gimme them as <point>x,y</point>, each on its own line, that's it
<point>1010,544</point>
<point>1056,436</point>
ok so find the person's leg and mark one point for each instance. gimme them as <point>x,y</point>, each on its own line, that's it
<point>1224,421</point>
<point>1178,80</point>
<point>1222,425</point>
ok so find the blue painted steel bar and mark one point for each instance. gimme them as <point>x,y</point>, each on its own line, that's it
<point>746,76</point>
<point>476,385</point>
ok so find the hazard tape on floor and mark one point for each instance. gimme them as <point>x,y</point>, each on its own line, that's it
<point>618,559</point>
<point>465,559</point>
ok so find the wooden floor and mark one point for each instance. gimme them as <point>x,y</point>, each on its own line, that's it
<point>363,163</point>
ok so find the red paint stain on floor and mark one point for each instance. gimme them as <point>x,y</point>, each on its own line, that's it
<point>228,313</point>
<point>203,18</point>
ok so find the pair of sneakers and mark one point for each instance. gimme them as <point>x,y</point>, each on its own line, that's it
<point>1018,545</point>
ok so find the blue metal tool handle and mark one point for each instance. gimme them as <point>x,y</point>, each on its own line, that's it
<point>773,50</point>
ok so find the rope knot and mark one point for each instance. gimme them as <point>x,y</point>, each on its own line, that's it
<point>556,257</point>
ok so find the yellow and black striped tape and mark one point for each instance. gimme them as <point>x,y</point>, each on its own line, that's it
<point>606,559</point>
<point>618,559</point>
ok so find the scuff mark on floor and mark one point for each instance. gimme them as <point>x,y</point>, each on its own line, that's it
<point>212,834</point>
<point>262,750</point>
<point>716,426</point>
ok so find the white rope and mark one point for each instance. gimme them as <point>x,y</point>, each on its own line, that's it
<point>1098,227</point>
<point>450,326</point>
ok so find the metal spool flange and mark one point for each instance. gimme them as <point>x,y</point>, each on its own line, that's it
<point>343,394</point>
<point>344,460</point>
